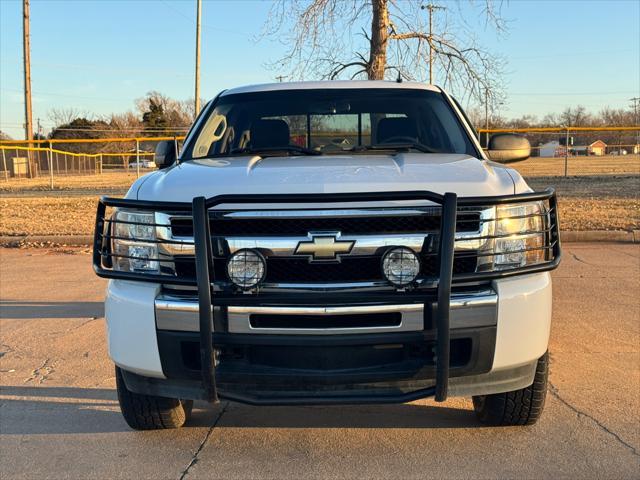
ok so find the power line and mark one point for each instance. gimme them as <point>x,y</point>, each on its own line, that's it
<point>123,130</point>
<point>572,93</point>
<point>50,94</point>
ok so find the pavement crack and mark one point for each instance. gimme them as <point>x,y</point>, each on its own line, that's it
<point>41,373</point>
<point>194,458</point>
<point>626,253</point>
<point>5,349</point>
<point>75,327</point>
<point>555,392</point>
<point>581,260</point>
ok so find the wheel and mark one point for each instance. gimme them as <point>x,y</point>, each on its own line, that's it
<point>187,405</point>
<point>148,412</point>
<point>519,407</point>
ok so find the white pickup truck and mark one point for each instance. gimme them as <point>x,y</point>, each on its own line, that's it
<point>330,243</point>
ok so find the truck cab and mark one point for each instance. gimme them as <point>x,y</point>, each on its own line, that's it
<point>330,243</point>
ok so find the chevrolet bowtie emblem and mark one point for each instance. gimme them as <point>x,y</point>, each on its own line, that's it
<point>324,246</point>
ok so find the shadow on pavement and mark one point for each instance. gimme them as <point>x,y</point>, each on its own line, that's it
<point>59,410</point>
<point>26,310</point>
<point>69,410</point>
<point>410,415</point>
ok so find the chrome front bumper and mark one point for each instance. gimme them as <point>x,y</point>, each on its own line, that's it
<point>468,310</point>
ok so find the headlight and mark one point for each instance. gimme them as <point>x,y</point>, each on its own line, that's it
<point>520,233</point>
<point>400,266</point>
<point>133,242</point>
<point>246,268</point>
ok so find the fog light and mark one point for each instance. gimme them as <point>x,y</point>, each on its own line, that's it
<point>400,266</point>
<point>246,268</point>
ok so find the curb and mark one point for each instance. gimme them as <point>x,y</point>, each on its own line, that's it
<point>617,236</point>
<point>46,240</point>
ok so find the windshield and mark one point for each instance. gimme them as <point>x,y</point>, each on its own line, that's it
<point>304,122</point>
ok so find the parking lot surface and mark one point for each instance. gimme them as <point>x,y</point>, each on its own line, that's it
<point>59,416</point>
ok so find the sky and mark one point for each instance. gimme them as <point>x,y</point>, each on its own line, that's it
<point>99,56</point>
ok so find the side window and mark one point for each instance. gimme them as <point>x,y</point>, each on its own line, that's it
<point>450,125</point>
<point>464,114</point>
<point>212,131</point>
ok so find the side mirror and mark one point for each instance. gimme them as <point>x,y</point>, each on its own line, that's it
<point>165,153</point>
<point>508,147</point>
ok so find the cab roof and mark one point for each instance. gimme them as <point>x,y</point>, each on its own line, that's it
<point>331,84</point>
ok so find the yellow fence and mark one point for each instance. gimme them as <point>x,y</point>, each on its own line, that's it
<point>619,154</point>
<point>21,159</point>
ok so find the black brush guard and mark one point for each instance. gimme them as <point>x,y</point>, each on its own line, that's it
<point>204,280</point>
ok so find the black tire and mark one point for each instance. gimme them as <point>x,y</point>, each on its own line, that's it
<point>519,407</point>
<point>148,412</point>
<point>188,408</point>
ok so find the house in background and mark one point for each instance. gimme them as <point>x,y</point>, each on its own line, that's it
<point>556,149</point>
<point>597,148</point>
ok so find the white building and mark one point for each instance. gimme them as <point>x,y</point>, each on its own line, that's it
<point>551,149</point>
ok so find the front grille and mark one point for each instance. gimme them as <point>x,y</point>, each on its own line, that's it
<point>350,269</point>
<point>299,270</point>
<point>467,222</point>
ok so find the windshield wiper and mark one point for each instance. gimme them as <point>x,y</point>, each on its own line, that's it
<point>397,146</point>
<point>284,148</point>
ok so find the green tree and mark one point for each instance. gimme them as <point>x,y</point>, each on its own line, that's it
<point>162,115</point>
<point>155,119</point>
<point>81,128</point>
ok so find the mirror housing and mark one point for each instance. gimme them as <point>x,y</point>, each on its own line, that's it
<point>508,147</point>
<point>165,153</point>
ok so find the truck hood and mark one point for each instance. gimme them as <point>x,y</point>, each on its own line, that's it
<point>440,173</point>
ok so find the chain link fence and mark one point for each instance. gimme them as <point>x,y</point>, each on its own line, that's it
<point>556,152</point>
<point>52,161</point>
<point>577,151</point>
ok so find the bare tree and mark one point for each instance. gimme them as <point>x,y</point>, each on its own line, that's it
<point>123,125</point>
<point>66,115</point>
<point>576,116</point>
<point>377,39</point>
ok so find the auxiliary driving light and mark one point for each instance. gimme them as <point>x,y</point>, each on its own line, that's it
<point>400,265</point>
<point>246,268</point>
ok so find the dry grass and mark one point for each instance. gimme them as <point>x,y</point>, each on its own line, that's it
<point>75,215</point>
<point>47,215</point>
<point>606,165</point>
<point>609,186</point>
<point>91,183</point>
<point>607,214</point>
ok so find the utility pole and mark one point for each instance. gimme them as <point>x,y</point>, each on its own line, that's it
<point>26,49</point>
<point>635,101</point>
<point>280,78</point>
<point>636,119</point>
<point>486,117</point>
<point>431,7</point>
<point>198,19</point>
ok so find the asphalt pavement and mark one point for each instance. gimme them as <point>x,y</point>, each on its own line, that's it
<point>59,416</point>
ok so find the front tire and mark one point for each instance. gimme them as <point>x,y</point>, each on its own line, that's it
<point>519,407</point>
<point>149,412</point>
